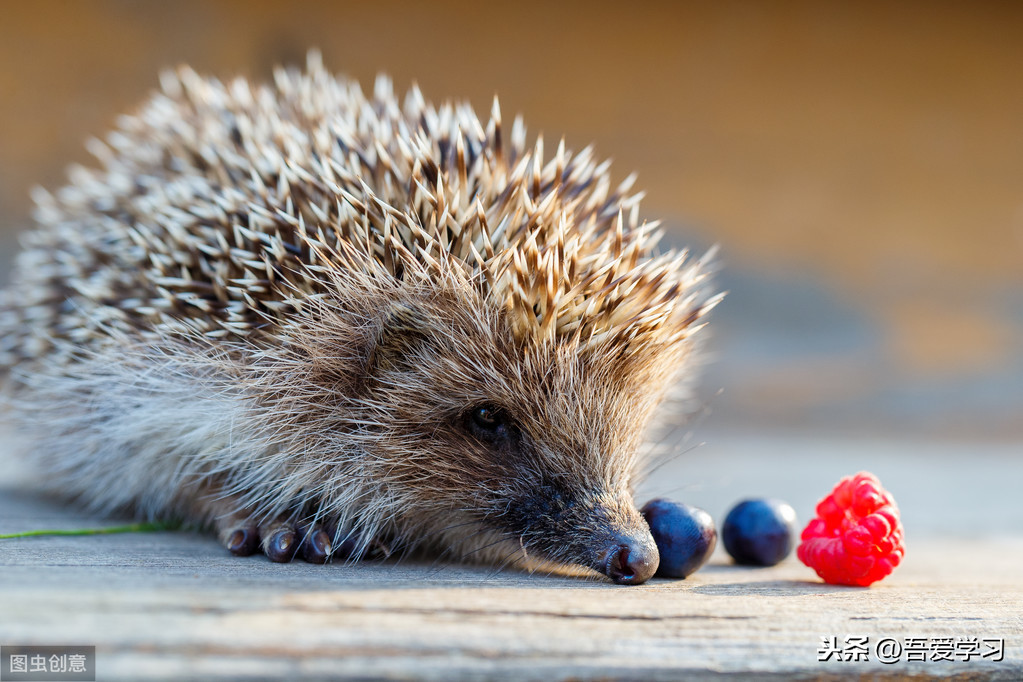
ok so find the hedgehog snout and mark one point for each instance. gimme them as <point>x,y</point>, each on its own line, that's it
<point>631,559</point>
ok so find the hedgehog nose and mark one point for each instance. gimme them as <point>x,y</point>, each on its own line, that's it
<point>632,560</point>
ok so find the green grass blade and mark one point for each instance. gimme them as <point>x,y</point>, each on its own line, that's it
<point>130,528</point>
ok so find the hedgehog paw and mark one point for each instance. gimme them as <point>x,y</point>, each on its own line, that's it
<point>280,540</point>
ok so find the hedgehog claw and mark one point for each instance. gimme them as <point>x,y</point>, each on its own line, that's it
<point>243,541</point>
<point>282,545</point>
<point>316,545</point>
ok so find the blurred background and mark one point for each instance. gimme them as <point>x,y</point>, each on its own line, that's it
<point>860,163</point>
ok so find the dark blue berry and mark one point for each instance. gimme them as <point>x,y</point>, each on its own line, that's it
<point>759,532</point>
<point>685,536</point>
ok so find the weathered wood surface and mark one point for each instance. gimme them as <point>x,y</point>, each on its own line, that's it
<point>175,606</point>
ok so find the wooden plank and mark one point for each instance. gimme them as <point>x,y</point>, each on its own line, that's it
<point>176,606</point>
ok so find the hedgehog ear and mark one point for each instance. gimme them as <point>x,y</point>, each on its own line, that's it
<point>402,329</point>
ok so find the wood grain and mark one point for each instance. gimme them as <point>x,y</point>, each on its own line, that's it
<point>175,605</point>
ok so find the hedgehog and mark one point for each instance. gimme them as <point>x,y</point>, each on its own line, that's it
<point>327,325</point>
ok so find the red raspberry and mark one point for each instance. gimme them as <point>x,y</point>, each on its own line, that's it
<point>857,537</point>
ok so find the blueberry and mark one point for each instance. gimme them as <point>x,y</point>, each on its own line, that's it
<point>759,532</point>
<point>685,536</point>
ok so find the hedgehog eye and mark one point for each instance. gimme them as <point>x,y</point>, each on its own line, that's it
<point>489,423</point>
<point>485,417</point>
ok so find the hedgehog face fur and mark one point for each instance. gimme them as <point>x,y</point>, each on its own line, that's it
<point>323,323</point>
